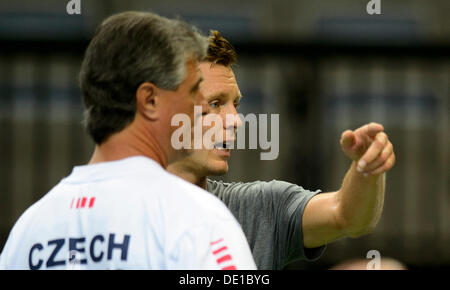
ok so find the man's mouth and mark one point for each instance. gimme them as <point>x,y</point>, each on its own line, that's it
<point>224,145</point>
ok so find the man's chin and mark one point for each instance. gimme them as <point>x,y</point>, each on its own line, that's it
<point>219,168</point>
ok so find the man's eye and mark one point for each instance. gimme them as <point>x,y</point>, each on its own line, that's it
<point>214,104</point>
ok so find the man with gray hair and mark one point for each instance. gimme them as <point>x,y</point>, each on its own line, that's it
<point>123,210</point>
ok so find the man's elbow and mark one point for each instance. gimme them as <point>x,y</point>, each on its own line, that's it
<point>354,229</point>
<point>360,231</point>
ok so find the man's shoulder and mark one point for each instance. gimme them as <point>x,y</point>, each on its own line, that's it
<point>25,221</point>
<point>253,186</point>
<point>174,193</point>
<point>258,191</point>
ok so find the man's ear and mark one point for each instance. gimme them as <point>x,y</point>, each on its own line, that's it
<point>147,100</point>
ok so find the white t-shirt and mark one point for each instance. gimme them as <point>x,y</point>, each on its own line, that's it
<point>126,214</point>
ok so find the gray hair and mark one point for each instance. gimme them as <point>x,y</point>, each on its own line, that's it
<point>128,49</point>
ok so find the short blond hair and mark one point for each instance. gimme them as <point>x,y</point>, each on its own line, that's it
<point>220,50</point>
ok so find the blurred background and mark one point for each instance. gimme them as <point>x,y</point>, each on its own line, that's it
<point>323,66</point>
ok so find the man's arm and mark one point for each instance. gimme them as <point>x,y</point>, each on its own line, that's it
<point>356,207</point>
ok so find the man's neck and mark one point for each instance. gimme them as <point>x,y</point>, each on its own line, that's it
<point>188,175</point>
<point>127,143</point>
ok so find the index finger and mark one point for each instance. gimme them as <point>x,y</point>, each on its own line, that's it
<point>374,150</point>
<point>373,129</point>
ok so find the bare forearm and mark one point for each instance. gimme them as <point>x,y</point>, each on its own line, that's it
<point>360,201</point>
<point>356,207</point>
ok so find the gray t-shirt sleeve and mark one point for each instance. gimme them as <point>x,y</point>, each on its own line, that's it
<point>270,214</point>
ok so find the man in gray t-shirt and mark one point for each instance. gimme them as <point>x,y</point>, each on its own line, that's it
<point>270,215</point>
<point>282,221</point>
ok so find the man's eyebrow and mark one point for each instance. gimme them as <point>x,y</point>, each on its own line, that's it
<point>197,85</point>
<point>224,95</point>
